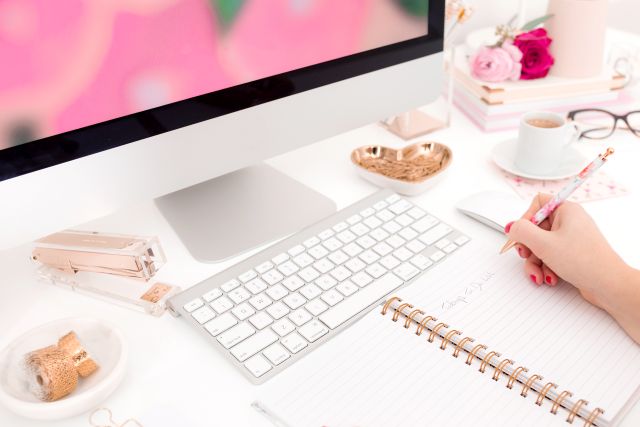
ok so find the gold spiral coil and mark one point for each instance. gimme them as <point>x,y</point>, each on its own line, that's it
<point>387,304</point>
<point>460,345</point>
<point>447,338</point>
<point>398,311</point>
<point>487,358</point>
<point>435,330</point>
<point>472,355</point>
<point>500,367</point>
<point>514,376</point>
<point>423,324</point>
<point>558,401</point>
<point>591,419</point>
<point>543,393</point>
<point>527,386</point>
<point>410,317</point>
<point>575,409</point>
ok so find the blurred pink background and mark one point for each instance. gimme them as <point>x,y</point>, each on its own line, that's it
<point>71,63</point>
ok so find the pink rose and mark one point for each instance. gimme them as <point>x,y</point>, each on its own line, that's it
<point>496,64</point>
<point>536,58</point>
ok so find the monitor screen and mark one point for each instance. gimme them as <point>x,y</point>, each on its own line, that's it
<point>75,63</point>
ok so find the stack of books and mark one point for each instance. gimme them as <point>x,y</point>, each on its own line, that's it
<point>499,106</point>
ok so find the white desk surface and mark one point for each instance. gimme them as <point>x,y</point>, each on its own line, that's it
<point>176,378</point>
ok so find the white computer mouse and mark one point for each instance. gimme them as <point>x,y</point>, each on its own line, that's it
<point>493,208</point>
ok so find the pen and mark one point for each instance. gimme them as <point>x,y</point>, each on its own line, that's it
<point>564,194</point>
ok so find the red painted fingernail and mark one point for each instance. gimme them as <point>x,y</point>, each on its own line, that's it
<point>534,279</point>
<point>508,227</point>
<point>548,279</point>
<point>520,252</point>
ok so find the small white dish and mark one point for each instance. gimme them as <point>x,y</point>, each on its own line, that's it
<point>504,153</point>
<point>104,343</point>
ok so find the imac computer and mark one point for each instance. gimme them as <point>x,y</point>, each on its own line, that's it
<point>103,104</point>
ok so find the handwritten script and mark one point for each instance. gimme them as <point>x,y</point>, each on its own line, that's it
<point>469,292</point>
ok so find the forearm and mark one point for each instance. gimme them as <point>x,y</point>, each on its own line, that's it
<point>624,303</point>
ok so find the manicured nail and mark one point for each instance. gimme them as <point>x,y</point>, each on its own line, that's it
<point>534,279</point>
<point>548,279</point>
<point>520,253</point>
<point>508,227</point>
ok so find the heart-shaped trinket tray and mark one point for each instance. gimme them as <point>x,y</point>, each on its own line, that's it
<point>408,171</point>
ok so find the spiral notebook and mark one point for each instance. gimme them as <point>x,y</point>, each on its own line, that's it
<point>472,342</point>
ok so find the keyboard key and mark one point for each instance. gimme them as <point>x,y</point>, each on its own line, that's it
<point>192,305</point>
<point>316,307</point>
<point>318,252</point>
<point>278,310</point>
<point>359,229</point>
<point>382,249</point>
<point>326,282</point>
<point>424,224</point>
<point>230,285</point>
<point>255,286</point>
<point>442,243</point>
<point>338,257</point>
<point>352,249</point>
<point>272,277</point>
<point>341,226</point>
<point>435,234</point>
<point>406,271</point>
<point>310,291</point>
<point>261,320</point>
<point>287,268</point>
<point>277,292</point>
<point>294,342</point>
<point>372,222</point>
<point>303,260</point>
<point>325,234</point>
<point>245,277</point>
<point>403,254</point>
<point>416,246</point>
<point>380,205</point>
<point>421,261</point>
<point>309,274</point>
<point>203,314</point>
<point>461,240</point>
<point>300,317</point>
<point>258,366</point>
<point>221,305</point>
<point>332,297</point>
<point>212,294</point>
<point>340,273</point>
<point>332,244</point>
<point>416,213</point>
<point>323,266</point>
<point>283,327</point>
<point>408,233</point>
<point>366,242</point>
<point>239,295</point>
<point>379,234</point>
<point>311,242</point>
<point>392,198</point>
<point>354,219</point>
<point>390,262</point>
<point>367,212</point>
<point>264,267</point>
<point>260,301</point>
<point>376,270</point>
<point>385,215</point>
<point>355,265</point>
<point>346,236</point>
<point>450,248</point>
<point>395,241</point>
<point>347,288</point>
<point>280,258</point>
<point>361,279</point>
<point>400,206</point>
<point>312,331</point>
<point>243,311</point>
<point>293,283</point>
<point>235,335</point>
<point>362,299</point>
<point>276,354</point>
<point>294,300</point>
<point>296,250</point>
<point>220,324</point>
<point>369,257</point>
<point>253,344</point>
<point>437,256</point>
<point>392,227</point>
<point>404,220</point>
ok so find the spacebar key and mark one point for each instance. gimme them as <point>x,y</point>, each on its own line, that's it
<point>344,311</point>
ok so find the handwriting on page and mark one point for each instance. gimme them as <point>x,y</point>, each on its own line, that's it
<point>469,292</point>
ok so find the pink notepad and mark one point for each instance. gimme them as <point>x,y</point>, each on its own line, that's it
<point>599,186</point>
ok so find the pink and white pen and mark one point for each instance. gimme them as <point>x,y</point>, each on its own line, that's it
<point>564,194</point>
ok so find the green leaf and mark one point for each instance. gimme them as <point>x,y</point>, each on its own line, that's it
<point>227,10</point>
<point>535,22</point>
<point>415,7</point>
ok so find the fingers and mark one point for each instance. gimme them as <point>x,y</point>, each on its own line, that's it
<point>530,235</point>
<point>533,269</point>
<point>537,202</point>
<point>550,278</point>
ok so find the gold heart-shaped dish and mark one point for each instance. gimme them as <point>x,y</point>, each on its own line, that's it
<point>406,170</point>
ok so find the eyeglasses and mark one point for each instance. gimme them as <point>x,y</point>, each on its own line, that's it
<point>600,124</point>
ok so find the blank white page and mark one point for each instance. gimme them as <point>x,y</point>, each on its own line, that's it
<point>378,373</point>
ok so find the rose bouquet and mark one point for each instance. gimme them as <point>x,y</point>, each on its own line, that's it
<point>518,55</point>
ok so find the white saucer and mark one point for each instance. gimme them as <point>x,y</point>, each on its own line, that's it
<point>504,153</point>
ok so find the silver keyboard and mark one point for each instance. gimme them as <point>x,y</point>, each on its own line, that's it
<point>271,309</point>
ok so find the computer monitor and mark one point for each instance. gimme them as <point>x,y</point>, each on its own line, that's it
<point>103,104</point>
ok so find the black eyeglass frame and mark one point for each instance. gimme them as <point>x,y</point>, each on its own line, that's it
<point>616,118</point>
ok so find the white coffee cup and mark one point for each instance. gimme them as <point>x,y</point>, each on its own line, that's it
<point>542,142</point>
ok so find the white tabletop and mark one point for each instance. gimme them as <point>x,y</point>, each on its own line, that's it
<point>176,377</point>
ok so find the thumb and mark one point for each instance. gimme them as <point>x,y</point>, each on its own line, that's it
<point>535,238</point>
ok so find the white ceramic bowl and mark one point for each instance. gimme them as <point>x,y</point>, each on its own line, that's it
<point>104,343</point>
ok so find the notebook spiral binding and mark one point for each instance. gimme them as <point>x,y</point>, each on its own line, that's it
<point>502,368</point>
